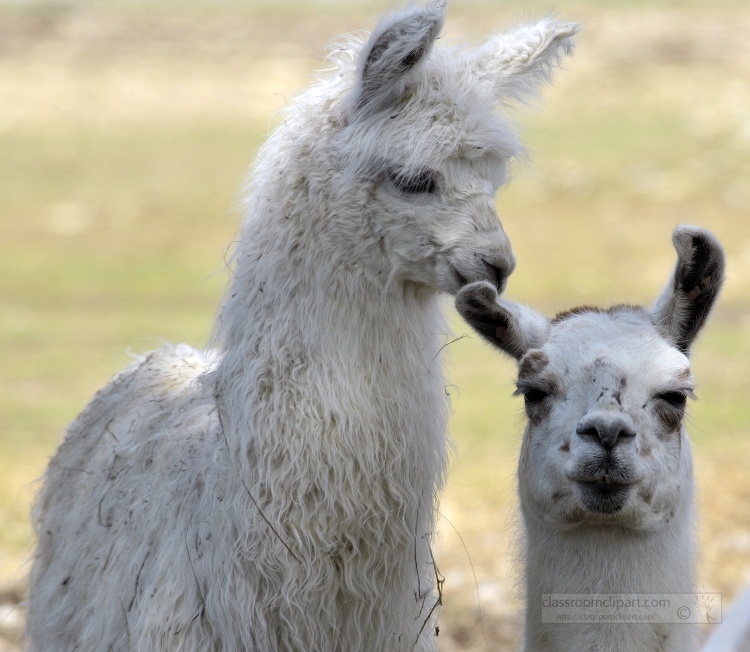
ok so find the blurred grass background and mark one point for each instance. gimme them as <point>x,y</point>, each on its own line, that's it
<point>126,129</point>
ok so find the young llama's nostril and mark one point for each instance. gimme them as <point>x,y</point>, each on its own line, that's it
<point>606,429</point>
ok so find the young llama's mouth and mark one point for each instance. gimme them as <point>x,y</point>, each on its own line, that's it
<point>602,497</point>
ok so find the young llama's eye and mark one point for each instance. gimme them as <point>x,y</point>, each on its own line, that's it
<point>534,395</point>
<point>422,183</point>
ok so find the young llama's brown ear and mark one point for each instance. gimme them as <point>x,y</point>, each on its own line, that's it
<point>687,300</point>
<point>389,61</point>
<point>511,327</point>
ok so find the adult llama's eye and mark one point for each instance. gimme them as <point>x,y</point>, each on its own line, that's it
<point>675,399</point>
<point>423,182</point>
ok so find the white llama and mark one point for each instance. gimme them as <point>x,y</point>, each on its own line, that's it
<point>280,494</point>
<point>605,473</point>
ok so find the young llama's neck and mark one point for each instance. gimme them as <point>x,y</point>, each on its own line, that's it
<point>586,561</point>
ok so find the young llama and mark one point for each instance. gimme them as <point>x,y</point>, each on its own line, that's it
<point>280,493</point>
<point>605,474</point>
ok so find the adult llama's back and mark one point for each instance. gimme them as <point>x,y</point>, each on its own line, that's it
<point>280,493</point>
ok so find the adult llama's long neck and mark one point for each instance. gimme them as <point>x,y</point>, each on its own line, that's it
<point>313,297</point>
<point>334,411</point>
<point>313,309</point>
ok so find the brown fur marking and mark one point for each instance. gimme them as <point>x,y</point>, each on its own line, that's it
<point>612,310</point>
<point>532,363</point>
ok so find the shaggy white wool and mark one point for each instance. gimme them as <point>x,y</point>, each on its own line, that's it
<point>280,492</point>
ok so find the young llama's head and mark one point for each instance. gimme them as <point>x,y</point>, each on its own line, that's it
<point>393,158</point>
<point>605,394</point>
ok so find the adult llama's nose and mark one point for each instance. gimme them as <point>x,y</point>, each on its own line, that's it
<point>498,267</point>
<point>493,259</point>
<point>606,428</point>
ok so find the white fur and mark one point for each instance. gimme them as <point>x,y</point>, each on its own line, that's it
<point>280,494</point>
<point>605,474</point>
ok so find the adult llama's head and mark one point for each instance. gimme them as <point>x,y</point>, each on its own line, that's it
<point>396,155</point>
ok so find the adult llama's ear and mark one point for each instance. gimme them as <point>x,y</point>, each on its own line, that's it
<point>510,326</point>
<point>514,65</point>
<point>686,301</point>
<point>389,61</point>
